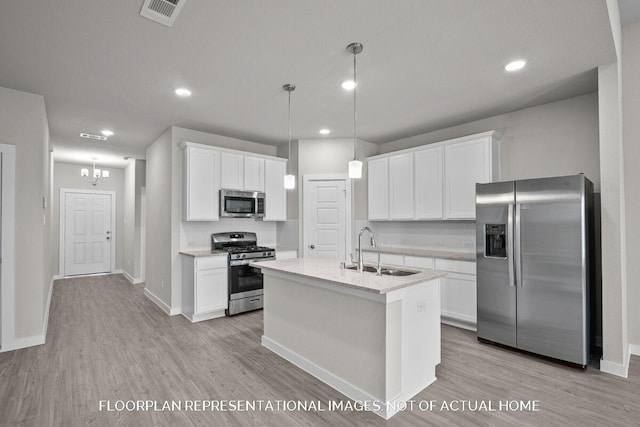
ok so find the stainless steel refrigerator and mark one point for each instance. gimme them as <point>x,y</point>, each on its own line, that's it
<point>534,246</point>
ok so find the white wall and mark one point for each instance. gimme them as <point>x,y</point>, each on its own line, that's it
<point>67,175</point>
<point>158,219</point>
<point>134,182</point>
<point>559,138</point>
<point>166,233</point>
<point>631,138</point>
<point>23,123</point>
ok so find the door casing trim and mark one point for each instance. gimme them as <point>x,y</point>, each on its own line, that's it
<point>348,185</point>
<point>63,213</point>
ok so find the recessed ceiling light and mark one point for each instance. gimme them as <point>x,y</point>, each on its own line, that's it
<point>183,92</point>
<point>106,132</point>
<point>348,85</point>
<point>324,131</point>
<point>516,65</point>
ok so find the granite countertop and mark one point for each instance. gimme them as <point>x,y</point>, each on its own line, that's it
<point>204,252</point>
<point>328,270</point>
<point>432,253</point>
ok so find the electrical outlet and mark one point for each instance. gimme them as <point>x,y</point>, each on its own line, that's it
<point>421,305</point>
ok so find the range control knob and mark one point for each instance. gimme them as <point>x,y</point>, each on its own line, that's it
<point>244,255</point>
<point>265,253</point>
<point>237,256</point>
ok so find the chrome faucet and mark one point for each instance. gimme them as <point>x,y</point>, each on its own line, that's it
<point>373,243</point>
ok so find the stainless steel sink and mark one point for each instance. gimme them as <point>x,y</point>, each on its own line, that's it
<point>385,271</point>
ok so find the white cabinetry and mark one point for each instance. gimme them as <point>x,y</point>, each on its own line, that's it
<point>378,181</point>
<point>275,193</point>
<point>428,183</point>
<point>207,169</point>
<point>204,287</point>
<point>432,182</point>
<point>401,186</point>
<point>201,184</point>
<point>457,289</point>
<point>466,163</point>
<point>458,293</point>
<point>231,171</point>
<point>254,174</point>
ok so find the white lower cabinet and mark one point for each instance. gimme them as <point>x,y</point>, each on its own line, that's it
<point>458,293</point>
<point>204,287</point>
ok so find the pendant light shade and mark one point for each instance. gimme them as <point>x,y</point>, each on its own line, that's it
<point>355,165</point>
<point>289,182</point>
<point>355,169</point>
<point>289,178</point>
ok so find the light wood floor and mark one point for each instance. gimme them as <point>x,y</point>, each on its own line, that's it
<point>106,341</point>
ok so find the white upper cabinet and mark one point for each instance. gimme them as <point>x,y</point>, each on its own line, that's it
<point>231,171</point>
<point>467,163</point>
<point>428,183</point>
<point>378,181</point>
<point>275,193</point>
<point>432,182</point>
<point>401,186</point>
<point>207,169</point>
<point>253,174</point>
<point>201,184</point>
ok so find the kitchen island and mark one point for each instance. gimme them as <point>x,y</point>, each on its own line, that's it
<point>376,339</point>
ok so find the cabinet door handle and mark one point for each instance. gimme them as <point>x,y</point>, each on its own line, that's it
<point>312,246</point>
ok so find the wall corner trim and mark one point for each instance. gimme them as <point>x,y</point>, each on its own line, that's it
<point>171,311</point>
<point>618,369</point>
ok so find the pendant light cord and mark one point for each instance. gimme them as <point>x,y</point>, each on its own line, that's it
<point>355,88</point>
<point>289,158</point>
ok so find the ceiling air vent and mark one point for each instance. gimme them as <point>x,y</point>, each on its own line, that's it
<point>91,136</point>
<point>162,11</point>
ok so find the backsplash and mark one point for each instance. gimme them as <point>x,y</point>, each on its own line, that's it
<point>442,235</point>
<point>197,235</point>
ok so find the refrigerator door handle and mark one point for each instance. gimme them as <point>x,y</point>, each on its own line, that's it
<point>518,246</point>
<point>510,244</point>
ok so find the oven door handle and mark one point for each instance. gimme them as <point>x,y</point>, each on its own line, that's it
<point>237,263</point>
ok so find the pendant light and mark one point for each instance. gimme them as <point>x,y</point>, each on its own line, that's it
<point>355,165</point>
<point>289,178</point>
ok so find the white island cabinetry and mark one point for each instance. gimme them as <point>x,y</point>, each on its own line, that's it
<point>376,339</point>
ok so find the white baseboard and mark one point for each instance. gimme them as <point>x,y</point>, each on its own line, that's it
<point>24,342</point>
<point>634,349</point>
<point>468,325</point>
<point>618,369</point>
<point>325,376</point>
<point>163,306</point>
<point>33,340</point>
<point>45,323</point>
<point>130,278</point>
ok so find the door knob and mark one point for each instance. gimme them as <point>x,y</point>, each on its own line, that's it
<point>312,246</point>
<point>108,232</point>
<point>108,238</point>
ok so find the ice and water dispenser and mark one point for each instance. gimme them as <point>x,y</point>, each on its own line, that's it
<point>495,241</point>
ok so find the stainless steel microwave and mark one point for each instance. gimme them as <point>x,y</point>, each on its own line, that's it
<point>241,204</point>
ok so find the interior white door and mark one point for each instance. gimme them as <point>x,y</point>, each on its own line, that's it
<point>325,219</point>
<point>88,235</point>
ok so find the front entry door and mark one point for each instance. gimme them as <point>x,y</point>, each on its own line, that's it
<point>87,233</point>
<point>325,219</point>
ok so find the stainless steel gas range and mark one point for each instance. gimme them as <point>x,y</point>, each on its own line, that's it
<point>245,282</point>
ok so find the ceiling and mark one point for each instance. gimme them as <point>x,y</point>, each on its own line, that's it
<point>426,64</point>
